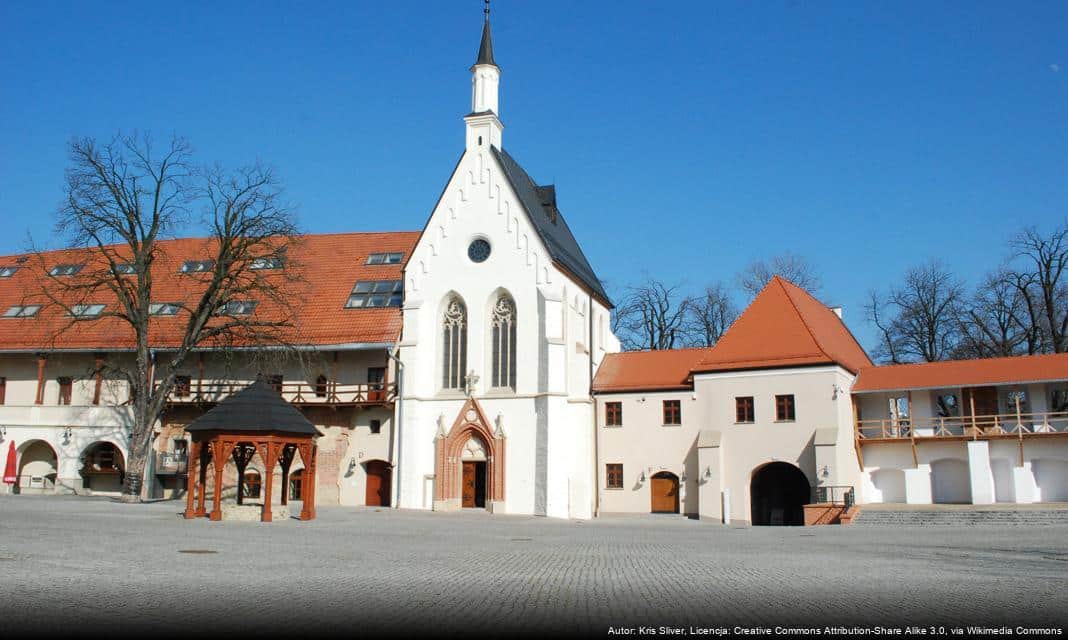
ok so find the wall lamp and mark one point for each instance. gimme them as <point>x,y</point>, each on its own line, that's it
<point>708,472</point>
<point>67,433</point>
<point>3,432</point>
<point>825,471</point>
<point>352,465</point>
<point>641,477</point>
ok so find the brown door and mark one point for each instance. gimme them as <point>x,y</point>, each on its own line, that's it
<point>469,484</point>
<point>378,484</point>
<point>986,404</point>
<point>664,491</point>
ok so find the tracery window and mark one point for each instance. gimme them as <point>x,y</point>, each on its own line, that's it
<point>503,323</point>
<point>454,341</point>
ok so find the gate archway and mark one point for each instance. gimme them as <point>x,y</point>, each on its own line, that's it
<point>778,493</point>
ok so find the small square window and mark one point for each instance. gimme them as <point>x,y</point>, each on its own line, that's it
<point>7,272</point>
<point>613,475</point>
<point>672,412</point>
<point>376,426</point>
<point>784,408</point>
<point>613,414</point>
<point>743,409</point>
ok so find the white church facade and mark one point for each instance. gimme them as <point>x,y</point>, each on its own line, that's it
<point>471,365</point>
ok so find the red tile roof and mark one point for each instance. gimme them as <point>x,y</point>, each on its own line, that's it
<point>785,327</point>
<point>963,373</point>
<point>646,370</point>
<point>329,266</point>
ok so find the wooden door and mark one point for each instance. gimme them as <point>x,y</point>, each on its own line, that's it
<point>469,482</point>
<point>986,403</point>
<point>664,492</point>
<point>378,484</point>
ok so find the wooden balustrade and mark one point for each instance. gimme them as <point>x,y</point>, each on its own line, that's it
<point>299,393</point>
<point>966,427</point>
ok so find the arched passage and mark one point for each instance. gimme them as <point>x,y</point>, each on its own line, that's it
<point>103,467</point>
<point>778,493</point>
<point>37,468</point>
<point>664,493</point>
<point>379,483</point>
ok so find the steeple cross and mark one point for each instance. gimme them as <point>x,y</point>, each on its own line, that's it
<point>486,10</point>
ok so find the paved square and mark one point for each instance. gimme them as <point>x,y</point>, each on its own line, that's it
<point>93,565</point>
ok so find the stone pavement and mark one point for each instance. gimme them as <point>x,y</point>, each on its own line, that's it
<point>70,565</point>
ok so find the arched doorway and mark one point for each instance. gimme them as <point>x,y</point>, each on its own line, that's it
<point>778,494</point>
<point>470,462</point>
<point>103,467</point>
<point>473,475</point>
<point>37,468</point>
<point>664,493</point>
<point>379,483</point>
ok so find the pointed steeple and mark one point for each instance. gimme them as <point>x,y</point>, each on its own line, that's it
<point>483,123</point>
<point>485,48</point>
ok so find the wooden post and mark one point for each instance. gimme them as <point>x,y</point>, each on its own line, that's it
<point>268,464</point>
<point>216,495</point>
<point>308,481</point>
<point>99,378</point>
<point>971,405</point>
<point>202,484</point>
<point>191,471</point>
<point>333,382</point>
<point>41,358</point>
<point>200,376</point>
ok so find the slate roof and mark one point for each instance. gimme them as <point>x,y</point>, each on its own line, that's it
<point>785,327</point>
<point>540,205</point>
<point>329,266</point>
<point>256,408</point>
<point>963,373</point>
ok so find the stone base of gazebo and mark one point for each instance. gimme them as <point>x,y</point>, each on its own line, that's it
<point>251,512</point>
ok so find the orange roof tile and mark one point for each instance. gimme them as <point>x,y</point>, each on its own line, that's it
<point>329,266</point>
<point>963,373</point>
<point>785,327</point>
<point>647,370</point>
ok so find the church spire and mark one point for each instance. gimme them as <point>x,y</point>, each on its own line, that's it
<point>483,124</point>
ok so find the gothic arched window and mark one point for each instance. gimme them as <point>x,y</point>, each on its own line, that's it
<point>502,323</point>
<point>454,340</point>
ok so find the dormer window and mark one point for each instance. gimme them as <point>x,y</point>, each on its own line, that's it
<point>238,308</point>
<point>378,293</point>
<point>22,311</point>
<point>65,269</point>
<point>197,266</point>
<point>163,309</point>
<point>124,268</point>
<point>86,310</point>
<point>385,258</point>
<point>265,263</point>
<point>7,272</point>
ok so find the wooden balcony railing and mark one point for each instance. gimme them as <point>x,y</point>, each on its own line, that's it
<point>1014,425</point>
<point>299,393</point>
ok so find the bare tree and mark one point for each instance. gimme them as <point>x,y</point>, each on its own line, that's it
<point>797,269</point>
<point>122,199</point>
<point>920,319</point>
<point>1042,281</point>
<point>710,315</point>
<point>652,315</point>
<point>998,322</point>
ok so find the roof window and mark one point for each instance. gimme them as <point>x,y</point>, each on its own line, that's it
<point>65,269</point>
<point>124,268</point>
<point>7,272</point>
<point>238,308</point>
<point>86,310</point>
<point>385,258</point>
<point>22,311</point>
<point>163,309</point>
<point>257,264</point>
<point>197,266</point>
<point>377,293</point>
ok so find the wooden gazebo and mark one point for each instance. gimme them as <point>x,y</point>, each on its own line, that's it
<point>254,420</point>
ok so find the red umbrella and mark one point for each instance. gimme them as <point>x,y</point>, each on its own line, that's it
<point>9,471</point>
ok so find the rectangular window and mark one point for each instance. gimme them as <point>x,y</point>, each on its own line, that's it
<point>237,308</point>
<point>385,258</point>
<point>22,311</point>
<point>65,269</point>
<point>613,475</point>
<point>743,409</point>
<point>3,389</point>
<point>197,266</point>
<point>376,426</point>
<point>258,264</point>
<point>65,387</point>
<point>7,272</point>
<point>948,407</point>
<point>376,293</point>
<point>672,412</point>
<point>86,310</point>
<point>784,408</point>
<point>375,377</point>
<point>163,309</point>
<point>182,386</point>
<point>613,414</point>
<point>124,268</point>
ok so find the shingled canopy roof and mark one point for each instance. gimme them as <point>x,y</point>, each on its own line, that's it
<point>256,408</point>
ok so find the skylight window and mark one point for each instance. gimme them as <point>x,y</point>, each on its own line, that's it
<point>7,272</point>
<point>86,310</point>
<point>378,293</point>
<point>238,308</point>
<point>197,266</point>
<point>385,258</point>
<point>124,268</point>
<point>163,309</point>
<point>65,269</point>
<point>22,311</point>
<point>265,263</point>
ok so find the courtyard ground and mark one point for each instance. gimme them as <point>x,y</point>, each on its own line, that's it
<point>76,565</point>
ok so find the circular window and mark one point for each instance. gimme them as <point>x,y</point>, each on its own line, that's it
<point>479,250</point>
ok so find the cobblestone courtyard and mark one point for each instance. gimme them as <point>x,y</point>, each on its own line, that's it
<point>92,565</point>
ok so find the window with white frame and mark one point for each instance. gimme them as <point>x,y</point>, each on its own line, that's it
<point>237,308</point>
<point>503,335</point>
<point>22,311</point>
<point>197,266</point>
<point>376,293</point>
<point>7,272</point>
<point>65,269</point>
<point>385,258</point>
<point>454,344</point>
<point>163,309</point>
<point>86,310</point>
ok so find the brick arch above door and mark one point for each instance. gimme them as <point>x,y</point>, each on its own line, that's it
<point>470,422</point>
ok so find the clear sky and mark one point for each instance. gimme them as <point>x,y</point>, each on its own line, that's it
<point>685,138</point>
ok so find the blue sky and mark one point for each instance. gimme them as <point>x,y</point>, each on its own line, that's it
<point>685,138</point>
